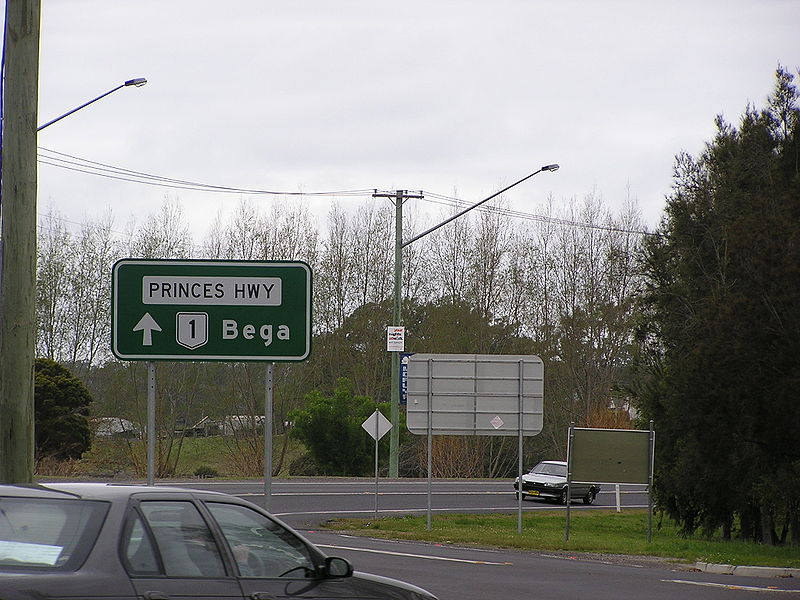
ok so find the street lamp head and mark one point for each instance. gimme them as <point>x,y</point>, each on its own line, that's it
<point>552,167</point>
<point>138,82</point>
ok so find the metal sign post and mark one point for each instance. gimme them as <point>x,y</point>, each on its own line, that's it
<point>268,435</point>
<point>430,443</point>
<point>652,452</point>
<point>151,423</point>
<point>519,447</point>
<point>377,426</point>
<point>570,437</point>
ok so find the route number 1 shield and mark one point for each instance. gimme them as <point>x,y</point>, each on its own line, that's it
<point>191,329</point>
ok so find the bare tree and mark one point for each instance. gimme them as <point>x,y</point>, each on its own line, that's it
<point>53,272</point>
<point>449,261</point>
<point>373,256</point>
<point>487,261</point>
<point>96,250</point>
<point>164,235</point>
<point>287,232</point>
<point>334,282</point>
<point>73,303</point>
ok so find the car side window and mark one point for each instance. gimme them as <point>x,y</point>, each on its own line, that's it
<point>184,541</point>
<point>261,547</point>
<point>137,549</point>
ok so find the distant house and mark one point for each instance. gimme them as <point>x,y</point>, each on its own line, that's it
<point>232,424</point>
<point>108,427</point>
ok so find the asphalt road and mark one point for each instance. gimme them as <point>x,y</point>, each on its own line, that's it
<point>455,573</point>
<point>305,503</point>
<point>458,573</point>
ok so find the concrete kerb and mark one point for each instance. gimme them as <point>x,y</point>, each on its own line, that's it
<point>746,571</point>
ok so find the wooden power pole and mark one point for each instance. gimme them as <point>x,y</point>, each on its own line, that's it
<point>18,243</point>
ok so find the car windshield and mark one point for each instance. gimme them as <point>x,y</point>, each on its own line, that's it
<point>47,534</point>
<point>550,469</point>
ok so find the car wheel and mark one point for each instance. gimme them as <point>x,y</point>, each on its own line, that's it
<point>589,497</point>
<point>562,499</point>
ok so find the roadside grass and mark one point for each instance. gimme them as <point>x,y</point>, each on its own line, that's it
<point>591,531</point>
<point>127,458</point>
<point>199,452</point>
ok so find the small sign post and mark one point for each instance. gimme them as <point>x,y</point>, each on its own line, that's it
<point>377,426</point>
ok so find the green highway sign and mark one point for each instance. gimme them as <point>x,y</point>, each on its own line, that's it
<point>211,310</point>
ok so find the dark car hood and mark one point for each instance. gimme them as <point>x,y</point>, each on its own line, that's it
<point>384,587</point>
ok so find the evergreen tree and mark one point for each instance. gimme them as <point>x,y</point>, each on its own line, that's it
<point>61,412</point>
<point>330,427</point>
<point>721,330</point>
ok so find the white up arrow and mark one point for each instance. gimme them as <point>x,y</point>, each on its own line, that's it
<point>148,325</point>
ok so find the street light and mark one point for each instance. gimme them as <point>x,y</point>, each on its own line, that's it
<point>18,250</point>
<point>400,195</point>
<point>138,82</point>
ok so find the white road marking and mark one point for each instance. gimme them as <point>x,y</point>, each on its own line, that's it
<point>372,493</point>
<point>370,511</point>
<point>425,556</point>
<point>728,586</point>
<point>319,484</point>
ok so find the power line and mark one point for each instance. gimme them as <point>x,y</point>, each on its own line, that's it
<point>456,202</point>
<point>70,162</point>
<point>90,167</point>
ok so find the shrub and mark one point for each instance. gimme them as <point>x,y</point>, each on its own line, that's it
<point>205,472</point>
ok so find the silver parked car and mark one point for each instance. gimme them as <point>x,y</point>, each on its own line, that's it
<point>124,542</point>
<point>548,480</point>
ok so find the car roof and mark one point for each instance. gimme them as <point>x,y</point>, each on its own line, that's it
<point>554,462</point>
<point>94,490</point>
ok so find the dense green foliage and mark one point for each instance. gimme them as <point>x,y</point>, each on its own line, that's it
<point>721,330</point>
<point>61,404</point>
<point>330,427</point>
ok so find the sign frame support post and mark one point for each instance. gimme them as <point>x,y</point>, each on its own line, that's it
<point>268,400</point>
<point>151,422</point>
<point>650,484</point>
<point>569,476</point>
<point>430,441</point>
<point>519,448</point>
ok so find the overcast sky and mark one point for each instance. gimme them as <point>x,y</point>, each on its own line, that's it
<point>451,97</point>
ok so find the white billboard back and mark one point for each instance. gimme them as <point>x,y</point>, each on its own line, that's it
<point>475,394</point>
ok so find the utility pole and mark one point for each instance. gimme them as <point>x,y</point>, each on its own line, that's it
<point>399,196</point>
<point>18,244</point>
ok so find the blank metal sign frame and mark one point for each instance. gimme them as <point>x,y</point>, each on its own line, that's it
<point>475,394</point>
<point>610,455</point>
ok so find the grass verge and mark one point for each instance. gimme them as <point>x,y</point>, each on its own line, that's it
<point>594,531</point>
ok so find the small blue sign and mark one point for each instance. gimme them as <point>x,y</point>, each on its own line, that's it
<point>404,356</point>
